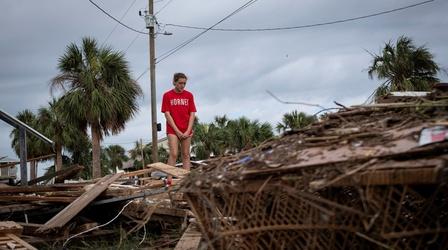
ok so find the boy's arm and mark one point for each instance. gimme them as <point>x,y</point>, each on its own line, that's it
<point>190,124</point>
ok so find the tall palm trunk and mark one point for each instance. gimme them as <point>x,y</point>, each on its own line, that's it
<point>96,152</point>
<point>58,160</point>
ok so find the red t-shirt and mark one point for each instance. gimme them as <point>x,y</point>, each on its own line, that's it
<point>180,105</point>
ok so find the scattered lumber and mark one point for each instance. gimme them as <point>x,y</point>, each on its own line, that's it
<point>76,206</point>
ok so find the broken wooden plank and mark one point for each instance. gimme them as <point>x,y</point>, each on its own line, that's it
<point>190,239</point>
<point>174,171</point>
<point>18,207</point>
<point>10,227</point>
<point>171,211</point>
<point>76,206</point>
<point>36,198</point>
<point>137,172</point>
<point>15,242</point>
<point>60,173</point>
<point>29,228</point>
<point>35,189</point>
<point>144,193</point>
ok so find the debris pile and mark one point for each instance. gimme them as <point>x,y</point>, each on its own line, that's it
<point>118,205</point>
<point>366,177</point>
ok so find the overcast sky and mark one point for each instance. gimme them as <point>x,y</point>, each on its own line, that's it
<point>229,72</point>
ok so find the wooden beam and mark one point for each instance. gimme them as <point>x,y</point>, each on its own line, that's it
<point>18,208</point>
<point>10,227</point>
<point>171,211</point>
<point>16,243</point>
<point>190,239</point>
<point>60,173</point>
<point>140,194</point>
<point>36,198</point>
<point>36,189</point>
<point>137,173</point>
<point>174,171</point>
<point>80,203</point>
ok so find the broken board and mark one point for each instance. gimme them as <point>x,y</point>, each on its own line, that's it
<point>10,227</point>
<point>80,203</point>
<point>11,241</point>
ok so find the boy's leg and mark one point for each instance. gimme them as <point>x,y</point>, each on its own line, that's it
<point>185,150</point>
<point>173,144</point>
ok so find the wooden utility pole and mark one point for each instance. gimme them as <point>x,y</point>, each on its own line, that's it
<point>152,68</point>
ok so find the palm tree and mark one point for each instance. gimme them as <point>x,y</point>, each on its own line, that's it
<point>98,92</point>
<point>139,154</point>
<point>206,140</point>
<point>294,120</point>
<point>115,155</point>
<point>34,147</point>
<point>243,133</point>
<point>81,153</point>
<point>221,121</point>
<point>146,150</point>
<point>404,67</point>
<point>53,124</point>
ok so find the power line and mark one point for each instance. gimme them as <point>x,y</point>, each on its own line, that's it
<point>132,42</point>
<point>116,25</point>
<point>163,7</point>
<point>180,46</point>
<point>306,25</point>
<point>116,20</point>
<point>142,74</point>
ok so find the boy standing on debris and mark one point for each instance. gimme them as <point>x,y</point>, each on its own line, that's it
<point>179,109</point>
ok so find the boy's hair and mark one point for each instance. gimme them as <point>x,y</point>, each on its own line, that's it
<point>179,75</point>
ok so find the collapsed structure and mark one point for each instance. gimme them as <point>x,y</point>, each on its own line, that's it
<point>115,206</point>
<point>366,177</point>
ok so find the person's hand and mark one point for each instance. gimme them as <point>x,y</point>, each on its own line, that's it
<point>188,134</point>
<point>179,135</point>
